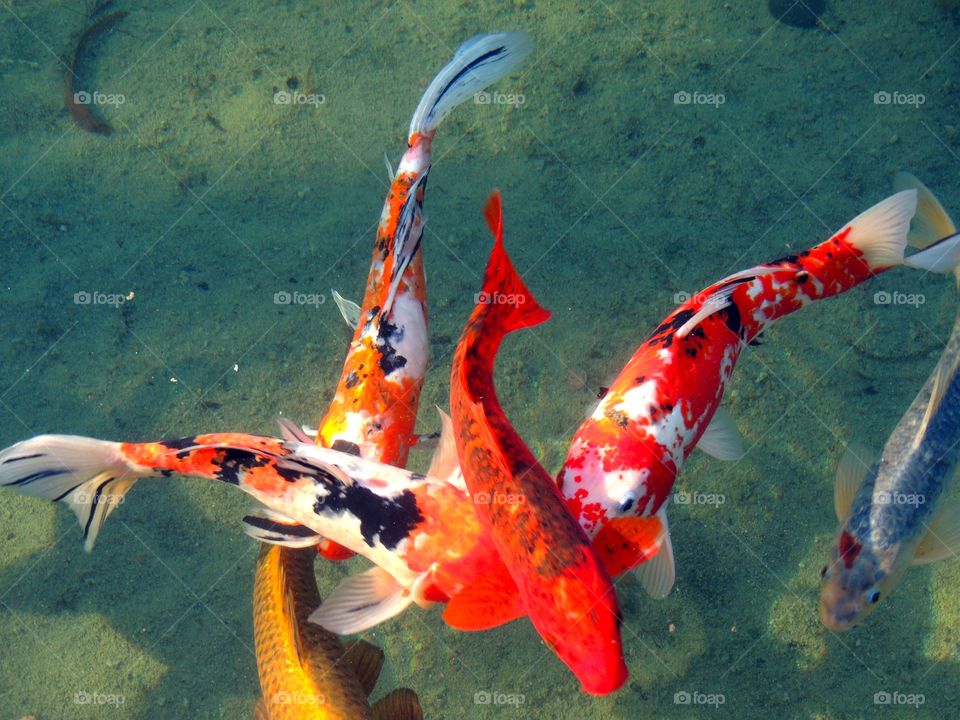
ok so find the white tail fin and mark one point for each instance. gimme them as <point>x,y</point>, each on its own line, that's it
<point>880,233</point>
<point>931,223</point>
<point>480,61</point>
<point>932,230</point>
<point>91,476</point>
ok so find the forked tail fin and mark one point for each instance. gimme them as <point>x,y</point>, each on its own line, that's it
<point>504,294</point>
<point>880,233</point>
<point>933,230</point>
<point>479,62</point>
<point>90,476</point>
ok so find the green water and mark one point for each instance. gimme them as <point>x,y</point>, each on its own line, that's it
<point>209,198</point>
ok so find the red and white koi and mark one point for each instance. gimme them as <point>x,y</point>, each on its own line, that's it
<point>624,459</point>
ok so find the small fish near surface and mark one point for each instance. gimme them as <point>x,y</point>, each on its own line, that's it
<point>624,459</point>
<point>306,672</point>
<point>563,585</point>
<point>893,512</point>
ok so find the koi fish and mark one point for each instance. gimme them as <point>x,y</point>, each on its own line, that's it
<point>305,672</point>
<point>420,531</point>
<point>564,587</point>
<point>624,459</point>
<point>893,512</point>
<point>375,408</point>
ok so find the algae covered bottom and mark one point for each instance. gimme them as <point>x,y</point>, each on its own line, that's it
<point>174,277</point>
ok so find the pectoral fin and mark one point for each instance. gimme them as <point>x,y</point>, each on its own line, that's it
<point>362,601</point>
<point>851,471</point>
<point>491,601</point>
<point>942,540</point>
<point>721,439</point>
<point>658,574</point>
<point>349,310</point>
<point>446,464</point>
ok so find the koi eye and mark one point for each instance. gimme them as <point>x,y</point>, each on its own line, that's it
<point>628,500</point>
<point>823,571</point>
<point>873,596</point>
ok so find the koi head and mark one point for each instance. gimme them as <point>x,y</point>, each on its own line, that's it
<point>620,479</point>
<point>856,579</point>
<point>587,642</point>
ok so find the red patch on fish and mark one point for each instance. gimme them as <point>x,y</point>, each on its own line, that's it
<point>850,548</point>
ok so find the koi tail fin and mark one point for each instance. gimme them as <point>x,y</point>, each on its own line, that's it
<point>90,476</point>
<point>504,294</point>
<point>880,233</point>
<point>479,62</point>
<point>932,230</point>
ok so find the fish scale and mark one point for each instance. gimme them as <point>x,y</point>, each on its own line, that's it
<point>915,468</point>
<point>302,672</point>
